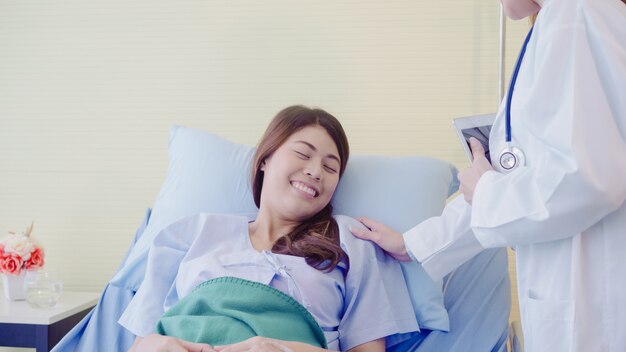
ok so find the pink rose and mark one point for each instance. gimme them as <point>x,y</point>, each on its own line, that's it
<point>36,259</point>
<point>1,256</point>
<point>11,264</point>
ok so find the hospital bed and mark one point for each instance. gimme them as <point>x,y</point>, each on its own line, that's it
<point>467,311</point>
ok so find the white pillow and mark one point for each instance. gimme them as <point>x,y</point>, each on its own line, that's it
<point>207,173</point>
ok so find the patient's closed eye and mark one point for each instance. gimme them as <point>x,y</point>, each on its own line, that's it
<point>330,169</point>
<point>302,155</point>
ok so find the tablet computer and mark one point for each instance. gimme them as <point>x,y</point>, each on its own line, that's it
<point>479,127</point>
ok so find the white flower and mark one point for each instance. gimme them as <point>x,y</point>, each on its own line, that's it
<point>19,244</point>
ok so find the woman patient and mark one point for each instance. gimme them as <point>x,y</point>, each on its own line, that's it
<point>292,246</point>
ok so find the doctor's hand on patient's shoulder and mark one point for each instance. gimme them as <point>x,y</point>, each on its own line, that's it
<point>469,177</point>
<point>387,239</point>
<point>160,343</point>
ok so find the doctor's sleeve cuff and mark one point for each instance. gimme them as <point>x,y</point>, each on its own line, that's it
<point>443,243</point>
<point>481,224</point>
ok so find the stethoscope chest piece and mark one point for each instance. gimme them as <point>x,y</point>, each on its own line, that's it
<point>511,158</point>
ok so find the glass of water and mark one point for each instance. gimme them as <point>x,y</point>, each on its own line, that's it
<point>43,288</point>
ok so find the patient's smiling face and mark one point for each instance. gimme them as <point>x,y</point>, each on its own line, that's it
<point>301,176</point>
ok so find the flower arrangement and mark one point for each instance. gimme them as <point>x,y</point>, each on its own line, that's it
<point>18,251</point>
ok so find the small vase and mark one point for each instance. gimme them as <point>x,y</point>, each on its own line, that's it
<point>14,286</point>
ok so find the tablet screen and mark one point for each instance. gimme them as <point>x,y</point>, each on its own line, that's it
<point>482,134</point>
<point>479,127</point>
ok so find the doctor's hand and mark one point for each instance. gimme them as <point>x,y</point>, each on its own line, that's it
<point>389,240</point>
<point>160,343</point>
<point>470,176</point>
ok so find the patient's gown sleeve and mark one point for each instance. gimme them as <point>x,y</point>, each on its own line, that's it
<point>376,302</point>
<point>159,285</point>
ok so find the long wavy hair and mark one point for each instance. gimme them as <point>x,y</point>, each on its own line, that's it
<point>316,239</point>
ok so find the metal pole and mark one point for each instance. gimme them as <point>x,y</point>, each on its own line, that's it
<point>502,49</point>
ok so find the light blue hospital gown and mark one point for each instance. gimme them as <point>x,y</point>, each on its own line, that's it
<point>351,307</point>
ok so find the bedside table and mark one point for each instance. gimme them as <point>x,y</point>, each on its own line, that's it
<point>24,326</point>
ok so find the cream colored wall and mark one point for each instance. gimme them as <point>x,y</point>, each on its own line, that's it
<point>89,90</point>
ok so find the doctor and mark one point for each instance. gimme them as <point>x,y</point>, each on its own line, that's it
<point>557,194</point>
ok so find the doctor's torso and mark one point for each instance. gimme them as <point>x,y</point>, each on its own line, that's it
<point>571,125</point>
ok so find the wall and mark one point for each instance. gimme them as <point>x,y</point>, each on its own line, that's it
<point>88,92</point>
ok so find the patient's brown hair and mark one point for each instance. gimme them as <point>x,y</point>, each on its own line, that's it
<point>317,239</point>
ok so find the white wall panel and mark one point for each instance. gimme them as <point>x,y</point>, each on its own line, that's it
<point>88,91</point>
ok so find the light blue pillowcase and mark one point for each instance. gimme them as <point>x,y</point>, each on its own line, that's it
<point>207,173</point>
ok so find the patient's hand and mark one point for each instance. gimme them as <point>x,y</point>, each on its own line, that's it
<point>258,344</point>
<point>387,239</point>
<point>160,343</point>
<point>264,344</point>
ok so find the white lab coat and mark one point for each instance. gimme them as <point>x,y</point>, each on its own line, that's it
<point>565,211</point>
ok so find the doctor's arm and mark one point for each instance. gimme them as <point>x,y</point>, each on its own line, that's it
<point>440,244</point>
<point>577,163</point>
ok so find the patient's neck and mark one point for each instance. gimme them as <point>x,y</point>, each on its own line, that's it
<point>265,230</point>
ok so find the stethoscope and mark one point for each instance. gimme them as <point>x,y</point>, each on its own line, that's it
<point>512,157</point>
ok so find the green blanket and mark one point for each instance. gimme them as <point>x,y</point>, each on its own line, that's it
<point>228,310</point>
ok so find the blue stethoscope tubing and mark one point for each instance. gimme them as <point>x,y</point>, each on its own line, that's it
<point>509,97</point>
<point>512,157</point>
